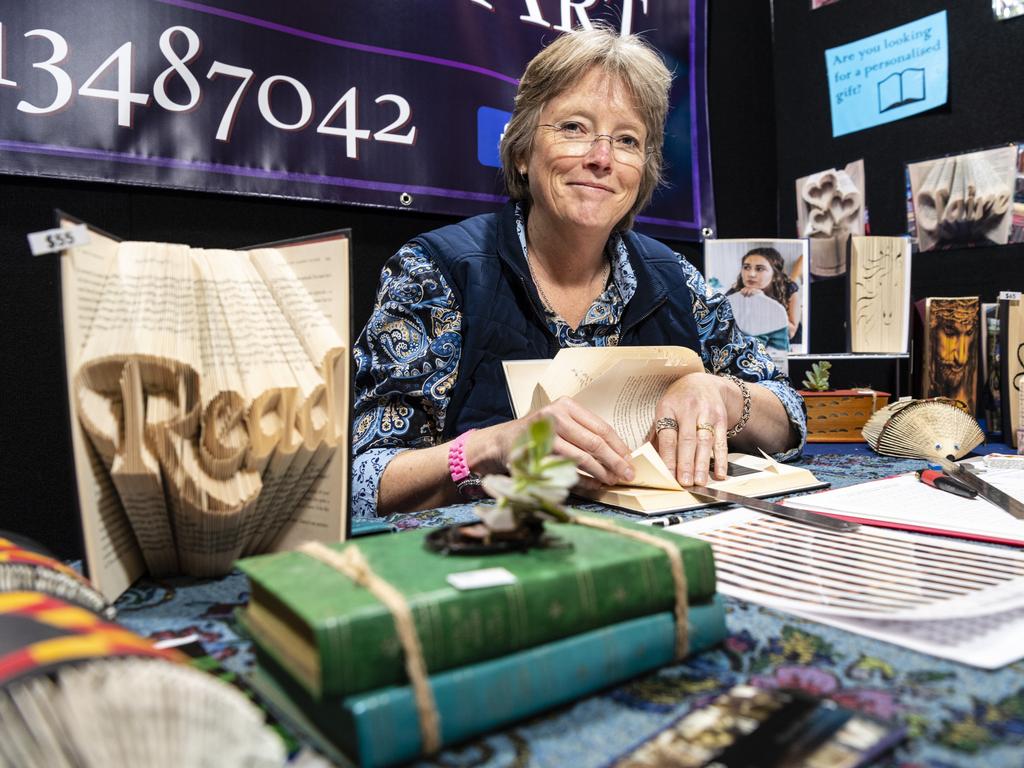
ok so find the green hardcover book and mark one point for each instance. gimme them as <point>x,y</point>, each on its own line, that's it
<point>335,638</point>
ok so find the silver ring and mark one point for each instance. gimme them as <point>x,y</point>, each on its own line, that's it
<point>666,422</point>
<point>709,427</point>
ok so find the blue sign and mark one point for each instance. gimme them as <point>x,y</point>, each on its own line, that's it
<point>490,127</point>
<point>888,76</point>
<point>386,103</point>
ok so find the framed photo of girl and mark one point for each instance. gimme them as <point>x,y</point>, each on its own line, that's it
<point>765,282</point>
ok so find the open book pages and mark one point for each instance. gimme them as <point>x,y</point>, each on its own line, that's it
<point>208,392</point>
<point>622,385</point>
<point>655,491</point>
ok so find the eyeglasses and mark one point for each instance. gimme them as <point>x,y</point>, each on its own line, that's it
<point>574,139</point>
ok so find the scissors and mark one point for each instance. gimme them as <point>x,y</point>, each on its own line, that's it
<point>936,478</point>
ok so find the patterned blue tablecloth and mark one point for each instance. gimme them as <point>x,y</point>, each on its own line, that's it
<point>956,715</point>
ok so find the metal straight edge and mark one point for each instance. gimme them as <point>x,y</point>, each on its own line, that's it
<point>984,488</point>
<point>770,508</point>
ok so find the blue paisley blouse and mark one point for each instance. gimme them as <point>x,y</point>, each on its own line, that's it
<point>407,357</point>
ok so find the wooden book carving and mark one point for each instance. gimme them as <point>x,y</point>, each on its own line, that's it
<point>951,349</point>
<point>879,291</point>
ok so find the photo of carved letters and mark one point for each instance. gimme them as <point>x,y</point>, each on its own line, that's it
<point>962,200</point>
<point>829,209</point>
<point>1017,227</point>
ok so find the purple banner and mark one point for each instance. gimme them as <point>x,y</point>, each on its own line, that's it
<point>389,103</point>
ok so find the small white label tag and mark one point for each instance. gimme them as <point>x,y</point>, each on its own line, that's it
<point>57,239</point>
<point>174,642</point>
<point>485,577</point>
<point>1010,295</point>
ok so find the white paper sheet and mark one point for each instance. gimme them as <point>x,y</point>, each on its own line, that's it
<point>905,502</point>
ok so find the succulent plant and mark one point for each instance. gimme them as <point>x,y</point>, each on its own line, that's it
<point>817,378</point>
<point>537,484</point>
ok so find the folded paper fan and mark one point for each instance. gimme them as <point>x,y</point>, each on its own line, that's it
<point>76,690</point>
<point>933,428</point>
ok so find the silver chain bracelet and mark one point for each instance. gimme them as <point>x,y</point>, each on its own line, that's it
<point>745,413</point>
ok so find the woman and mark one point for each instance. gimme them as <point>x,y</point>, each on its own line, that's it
<point>763,270</point>
<point>558,266</point>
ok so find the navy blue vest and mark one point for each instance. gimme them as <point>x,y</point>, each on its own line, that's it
<point>503,317</point>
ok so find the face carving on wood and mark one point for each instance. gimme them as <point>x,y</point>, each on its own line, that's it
<point>951,366</point>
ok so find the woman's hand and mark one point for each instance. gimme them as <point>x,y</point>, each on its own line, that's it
<point>579,435</point>
<point>699,405</point>
<point>750,291</point>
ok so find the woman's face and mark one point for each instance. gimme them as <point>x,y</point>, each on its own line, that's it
<point>595,190</point>
<point>756,272</point>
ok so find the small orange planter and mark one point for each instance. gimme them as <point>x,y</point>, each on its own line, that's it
<point>838,415</point>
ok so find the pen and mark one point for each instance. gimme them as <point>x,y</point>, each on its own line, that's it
<point>936,478</point>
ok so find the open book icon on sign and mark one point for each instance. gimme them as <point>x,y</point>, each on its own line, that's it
<point>901,88</point>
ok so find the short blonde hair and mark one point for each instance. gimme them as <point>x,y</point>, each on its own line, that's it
<point>557,67</point>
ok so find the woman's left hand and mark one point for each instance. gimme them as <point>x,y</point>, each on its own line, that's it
<point>698,403</point>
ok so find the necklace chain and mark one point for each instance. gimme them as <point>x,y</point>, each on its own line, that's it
<point>606,273</point>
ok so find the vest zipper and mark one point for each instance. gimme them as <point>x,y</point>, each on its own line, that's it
<point>539,313</point>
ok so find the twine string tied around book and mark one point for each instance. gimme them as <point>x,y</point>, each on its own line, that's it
<point>353,564</point>
<point>675,560</point>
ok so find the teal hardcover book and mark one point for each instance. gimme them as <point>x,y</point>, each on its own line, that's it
<point>380,728</point>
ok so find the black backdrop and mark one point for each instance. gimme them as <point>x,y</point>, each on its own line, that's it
<point>754,169</point>
<point>985,108</point>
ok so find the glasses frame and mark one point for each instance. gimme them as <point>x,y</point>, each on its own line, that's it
<point>644,154</point>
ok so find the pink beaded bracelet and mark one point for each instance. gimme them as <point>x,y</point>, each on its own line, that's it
<point>465,480</point>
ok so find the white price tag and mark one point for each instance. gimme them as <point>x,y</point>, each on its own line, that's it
<point>1010,295</point>
<point>175,642</point>
<point>57,239</point>
<point>484,577</point>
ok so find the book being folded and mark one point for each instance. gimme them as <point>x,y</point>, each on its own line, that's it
<point>622,385</point>
<point>654,491</point>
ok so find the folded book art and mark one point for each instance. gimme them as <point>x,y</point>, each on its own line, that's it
<point>78,689</point>
<point>920,429</point>
<point>208,392</point>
